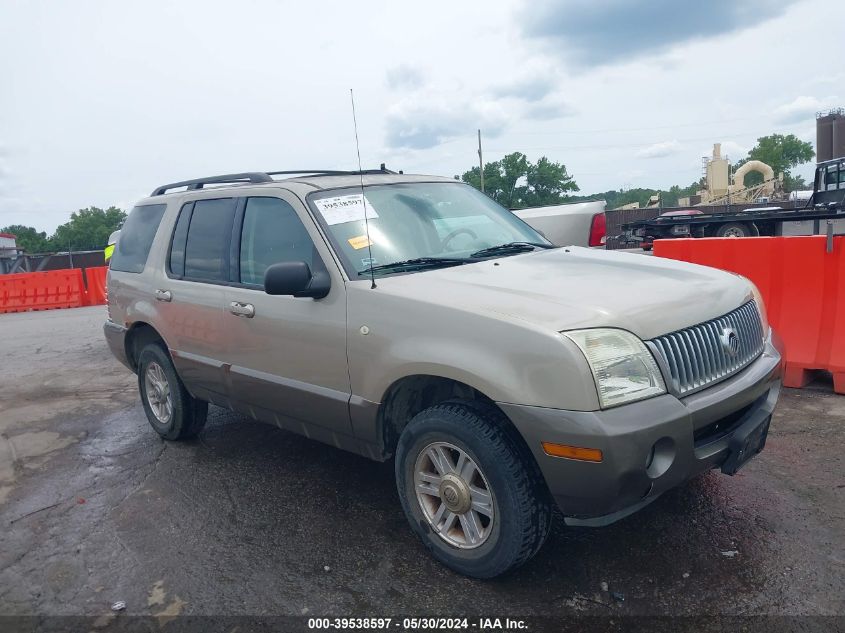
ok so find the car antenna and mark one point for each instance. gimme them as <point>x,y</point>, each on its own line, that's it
<point>363,198</point>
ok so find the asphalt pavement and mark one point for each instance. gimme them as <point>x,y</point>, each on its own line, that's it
<point>248,519</point>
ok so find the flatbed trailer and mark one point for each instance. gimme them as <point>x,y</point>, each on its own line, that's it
<point>825,207</point>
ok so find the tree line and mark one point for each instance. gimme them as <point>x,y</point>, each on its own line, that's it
<point>517,183</point>
<point>87,230</point>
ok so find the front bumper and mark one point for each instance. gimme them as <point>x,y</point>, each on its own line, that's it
<point>691,435</point>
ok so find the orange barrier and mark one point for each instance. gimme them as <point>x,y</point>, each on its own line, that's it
<point>802,285</point>
<point>95,282</point>
<point>41,291</point>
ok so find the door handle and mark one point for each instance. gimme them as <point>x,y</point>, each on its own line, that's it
<point>242,309</point>
<point>163,295</point>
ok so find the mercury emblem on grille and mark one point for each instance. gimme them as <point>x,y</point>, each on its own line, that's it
<point>730,341</point>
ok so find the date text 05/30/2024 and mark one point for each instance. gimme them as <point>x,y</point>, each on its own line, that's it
<point>418,624</point>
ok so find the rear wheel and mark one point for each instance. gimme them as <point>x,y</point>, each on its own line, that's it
<point>733,229</point>
<point>170,409</point>
<point>470,490</point>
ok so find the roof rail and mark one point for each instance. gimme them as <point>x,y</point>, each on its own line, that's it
<point>197,183</point>
<point>333,172</point>
<point>329,172</point>
<point>257,177</point>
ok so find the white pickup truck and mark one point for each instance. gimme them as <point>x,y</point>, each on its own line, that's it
<point>576,224</point>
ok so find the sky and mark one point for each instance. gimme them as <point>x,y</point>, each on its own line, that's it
<point>100,102</point>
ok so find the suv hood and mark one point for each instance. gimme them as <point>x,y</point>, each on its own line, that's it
<point>574,288</point>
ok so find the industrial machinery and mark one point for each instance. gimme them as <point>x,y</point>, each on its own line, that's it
<point>721,188</point>
<point>823,213</point>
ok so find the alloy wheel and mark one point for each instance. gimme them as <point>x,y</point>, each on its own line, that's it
<point>454,495</point>
<point>158,393</point>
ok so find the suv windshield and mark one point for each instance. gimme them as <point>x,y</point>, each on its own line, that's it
<point>418,224</point>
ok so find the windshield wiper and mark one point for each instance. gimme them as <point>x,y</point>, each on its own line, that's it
<point>510,247</point>
<point>417,262</point>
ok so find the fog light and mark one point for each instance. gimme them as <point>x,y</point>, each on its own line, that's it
<point>660,457</point>
<point>572,452</point>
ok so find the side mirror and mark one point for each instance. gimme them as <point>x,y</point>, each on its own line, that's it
<point>295,278</point>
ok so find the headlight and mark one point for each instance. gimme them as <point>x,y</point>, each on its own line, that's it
<point>761,308</point>
<point>623,368</point>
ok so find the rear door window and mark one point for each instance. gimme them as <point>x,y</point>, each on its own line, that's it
<point>272,233</point>
<point>209,239</point>
<point>136,238</point>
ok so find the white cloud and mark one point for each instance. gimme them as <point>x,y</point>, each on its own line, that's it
<point>660,150</point>
<point>836,79</point>
<point>802,108</point>
<point>527,87</point>
<point>734,150</point>
<point>419,122</point>
<point>549,109</point>
<point>404,77</point>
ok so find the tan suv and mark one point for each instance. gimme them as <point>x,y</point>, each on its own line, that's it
<point>412,318</point>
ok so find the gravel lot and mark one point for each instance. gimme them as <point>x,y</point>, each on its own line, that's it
<point>249,519</point>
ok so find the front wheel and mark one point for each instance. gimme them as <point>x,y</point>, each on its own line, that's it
<point>170,409</point>
<point>470,490</point>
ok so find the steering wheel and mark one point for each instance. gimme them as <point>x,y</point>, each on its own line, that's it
<point>455,234</point>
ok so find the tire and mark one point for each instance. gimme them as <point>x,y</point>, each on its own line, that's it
<point>519,511</point>
<point>732,229</point>
<point>157,380</point>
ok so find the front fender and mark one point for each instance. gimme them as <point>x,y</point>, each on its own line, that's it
<point>505,359</point>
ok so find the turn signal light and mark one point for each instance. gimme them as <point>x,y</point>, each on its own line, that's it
<point>572,452</point>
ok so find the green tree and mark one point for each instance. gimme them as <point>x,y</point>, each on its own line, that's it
<point>782,153</point>
<point>668,197</point>
<point>548,183</point>
<point>795,183</point>
<point>516,183</point>
<point>29,238</point>
<point>88,229</point>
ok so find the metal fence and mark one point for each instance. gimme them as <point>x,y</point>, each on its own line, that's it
<point>58,261</point>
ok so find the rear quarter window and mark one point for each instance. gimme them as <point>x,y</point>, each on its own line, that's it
<point>136,238</point>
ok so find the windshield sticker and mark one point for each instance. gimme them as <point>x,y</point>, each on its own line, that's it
<point>359,242</point>
<point>342,209</point>
<point>369,261</point>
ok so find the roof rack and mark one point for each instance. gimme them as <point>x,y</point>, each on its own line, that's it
<point>257,177</point>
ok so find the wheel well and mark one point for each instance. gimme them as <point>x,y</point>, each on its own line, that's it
<point>410,395</point>
<point>137,338</point>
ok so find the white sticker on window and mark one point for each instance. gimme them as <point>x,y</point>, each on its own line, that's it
<point>340,209</point>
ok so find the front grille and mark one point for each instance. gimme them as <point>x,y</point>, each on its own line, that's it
<point>699,355</point>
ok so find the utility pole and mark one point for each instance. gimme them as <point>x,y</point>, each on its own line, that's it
<point>480,162</point>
